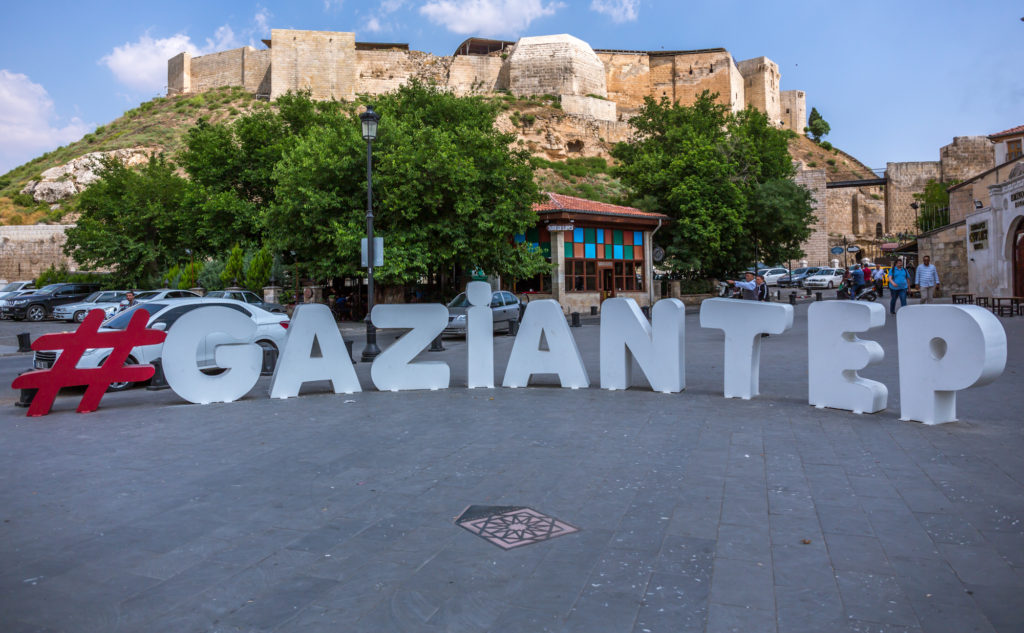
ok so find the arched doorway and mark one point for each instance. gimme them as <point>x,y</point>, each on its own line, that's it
<point>1018,260</point>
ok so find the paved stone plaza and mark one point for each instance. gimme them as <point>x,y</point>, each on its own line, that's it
<point>695,513</point>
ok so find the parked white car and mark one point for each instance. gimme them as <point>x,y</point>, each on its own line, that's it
<point>771,275</point>
<point>825,278</point>
<point>271,331</point>
<point>13,288</point>
<point>106,300</point>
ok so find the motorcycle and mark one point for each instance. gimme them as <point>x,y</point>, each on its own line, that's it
<point>729,292</point>
<point>867,294</point>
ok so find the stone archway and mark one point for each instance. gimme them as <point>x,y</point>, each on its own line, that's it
<point>1017,260</point>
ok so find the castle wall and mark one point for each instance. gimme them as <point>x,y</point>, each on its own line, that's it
<point>903,180</point>
<point>589,106</point>
<point>179,74</point>
<point>738,85</point>
<point>381,71</point>
<point>557,65</point>
<point>26,251</point>
<point>322,62</point>
<point>682,77</point>
<point>218,69</point>
<point>793,109</point>
<point>854,213</point>
<point>947,246</point>
<point>761,86</point>
<point>966,157</point>
<point>816,247</point>
<point>257,70</point>
<point>628,77</point>
<point>477,74</point>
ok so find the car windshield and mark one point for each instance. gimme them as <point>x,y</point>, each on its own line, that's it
<point>48,290</point>
<point>110,296</point>
<point>459,302</point>
<point>823,271</point>
<point>93,298</point>
<point>215,294</point>
<point>800,271</point>
<point>11,287</point>
<point>142,296</point>
<point>120,321</point>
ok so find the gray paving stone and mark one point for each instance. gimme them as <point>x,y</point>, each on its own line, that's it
<point>724,618</point>
<point>856,553</point>
<point>812,608</point>
<point>743,542</point>
<point>875,598</point>
<point>742,583</point>
<point>673,602</point>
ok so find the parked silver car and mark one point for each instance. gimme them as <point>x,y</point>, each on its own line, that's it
<point>106,300</point>
<point>504,307</point>
<point>246,296</point>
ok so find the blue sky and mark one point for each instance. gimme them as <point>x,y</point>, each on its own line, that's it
<point>896,80</point>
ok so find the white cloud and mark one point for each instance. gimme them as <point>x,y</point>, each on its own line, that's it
<point>142,64</point>
<point>617,10</point>
<point>28,122</point>
<point>332,4</point>
<point>373,25</point>
<point>487,17</point>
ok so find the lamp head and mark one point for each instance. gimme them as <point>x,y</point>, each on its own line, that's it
<point>369,119</point>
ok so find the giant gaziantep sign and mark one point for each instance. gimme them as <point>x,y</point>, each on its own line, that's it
<point>942,349</point>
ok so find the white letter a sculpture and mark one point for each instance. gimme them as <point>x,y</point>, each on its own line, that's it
<point>562,356</point>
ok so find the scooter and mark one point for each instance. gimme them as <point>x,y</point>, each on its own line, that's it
<point>729,292</point>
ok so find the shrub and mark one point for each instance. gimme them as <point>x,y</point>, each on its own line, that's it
<point>831,161</point>
<point>528,119</point>
<point>695,286</point>
<point>826,145</point>
<point>812,164</point>
<point>23,200</point>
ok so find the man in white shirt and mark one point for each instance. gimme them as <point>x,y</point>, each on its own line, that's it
<point>927,279</point>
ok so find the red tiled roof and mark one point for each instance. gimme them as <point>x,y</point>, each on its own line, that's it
<point>1010,132</point>
<point>558,202</point>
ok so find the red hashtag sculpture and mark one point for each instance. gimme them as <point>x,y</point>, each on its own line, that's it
<point>64,373</point>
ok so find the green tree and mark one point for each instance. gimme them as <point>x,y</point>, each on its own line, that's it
<point>710,171</point>
<point>234,268</point>
<point>449,190</point>
<point>258,273</point>
<point>133,221</point>
<point>189,275</point>
<point>817,127</point>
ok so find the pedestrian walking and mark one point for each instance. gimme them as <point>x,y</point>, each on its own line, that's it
<point>899,281</point>
<point>878,277</point>
<point>927,279</point>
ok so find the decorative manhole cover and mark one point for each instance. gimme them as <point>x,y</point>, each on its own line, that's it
<point>512,526</point>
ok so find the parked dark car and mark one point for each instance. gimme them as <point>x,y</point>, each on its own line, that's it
<point>796,280</point>
<point>40,304</point>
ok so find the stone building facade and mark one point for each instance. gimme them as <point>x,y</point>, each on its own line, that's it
<point>816,247</point>
<point>333,65</point>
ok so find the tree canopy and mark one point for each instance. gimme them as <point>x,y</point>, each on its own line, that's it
<point>724,178</point>
<point>817,127</point>
<point>450,191</point>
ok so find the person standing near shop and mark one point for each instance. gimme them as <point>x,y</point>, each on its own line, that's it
<point>899,281</point>
<point>927,279</point>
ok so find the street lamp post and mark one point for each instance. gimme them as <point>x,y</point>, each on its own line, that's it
<point>369,120</point>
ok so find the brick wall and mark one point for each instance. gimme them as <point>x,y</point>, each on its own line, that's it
<point>555,64</point>
<point>323,62</point>
<point>218,69</point>
<point>816,247</point>
<point>903,180</point>
<point>966,157</point>
<point>26,251</point>
<point>793,110</point>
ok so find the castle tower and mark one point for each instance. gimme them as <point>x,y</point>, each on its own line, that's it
<point>557,65</point>
<point>761,86</point>
<point>794,110</point>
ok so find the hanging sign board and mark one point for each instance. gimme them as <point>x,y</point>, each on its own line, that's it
<point>853,249</point>
<point>837,250</point>
<point>378,251</point>
<point>560,227</point>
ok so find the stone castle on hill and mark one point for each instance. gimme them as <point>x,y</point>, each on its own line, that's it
<point>604,84</point>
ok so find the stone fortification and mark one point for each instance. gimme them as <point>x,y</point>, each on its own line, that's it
<point>903,180</point>
<point>26,251</point>
<point>334,65</point>
<point>557,65</point>
<point>966,157</point>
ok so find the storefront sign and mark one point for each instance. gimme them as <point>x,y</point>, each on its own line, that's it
<point>560,227</point>
<point>1017,199</point>
<point>942,349</point>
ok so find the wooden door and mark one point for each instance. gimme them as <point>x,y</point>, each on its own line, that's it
<point>1018,261</point>
<point>607,283</point>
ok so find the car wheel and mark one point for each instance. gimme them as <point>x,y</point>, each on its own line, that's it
<point>36,313</point>
<point>830,285</point>
<point>79,316</point>
<point>121,386</point>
